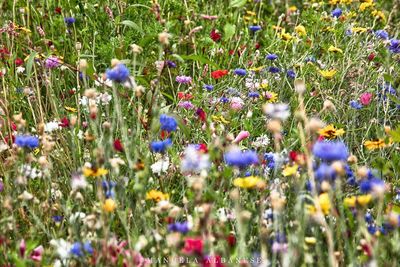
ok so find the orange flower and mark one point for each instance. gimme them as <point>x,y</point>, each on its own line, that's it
<point>219,74</point>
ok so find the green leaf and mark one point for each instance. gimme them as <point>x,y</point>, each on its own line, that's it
<point>200,59</point>
<point>178,57</point>
<point>132,25</point>
<point>395,134</point>
<point>229,31</point>
<point>29,64</point>
<point>237,3</point>
<point>387,77</point>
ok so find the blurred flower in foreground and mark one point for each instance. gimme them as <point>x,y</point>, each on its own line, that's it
<point>330,150</point>
<point>119,73</point>
<point>194,160</point>
<point>26,141</point>
<point>241,159</point>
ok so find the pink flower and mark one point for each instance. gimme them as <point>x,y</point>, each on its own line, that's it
<point>36,254</point>
<point>366,98</point>
<point>193,245</point>
<point>236,103</point>
<point>242,135</point>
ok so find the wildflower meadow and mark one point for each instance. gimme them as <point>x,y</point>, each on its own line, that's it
<point>200,133</point>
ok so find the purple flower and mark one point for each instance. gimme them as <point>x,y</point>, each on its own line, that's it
<point>291,74</point>
<point>186,105</point>
<point>52,62</point>
<point>394,46</point>
<point>183,79</point>
<point>355,104</point>
<point>254,28</point>
<point>240,72</point>
<point>171,64</point>
<point>69,21</point>
<point>254,95</point>
<point>274,69</point>
<point>208,87</point>
<point>182,227</point>
<point>272,57</point>
<point>337,12</point>
<point>119,73</point>
<point>382,34</point>
<point>160,146</point>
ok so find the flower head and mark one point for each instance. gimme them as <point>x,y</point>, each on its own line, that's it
<point>331,132</point>
<point>240,159</point>
<point>160,146</point>
<point>27,141</point>
<point>168,123</point>
<point>119,73</point>
<point>330,150</point>
<point>247,182</point>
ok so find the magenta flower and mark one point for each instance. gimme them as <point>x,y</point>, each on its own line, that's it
<point>22,248</point>
<point>183,79</point>
<point>52,62</point>
<point>366,98</point>
<point>37,253</point>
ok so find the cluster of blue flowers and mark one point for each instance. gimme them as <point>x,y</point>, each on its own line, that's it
<point>119,73</point>
<point>160,146</point>
<point>330,150</point>
<point>168,123</point>
<point>241,159</point>
<point>78,249</point>
<point>27,141</point>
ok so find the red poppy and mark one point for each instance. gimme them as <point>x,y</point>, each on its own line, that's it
<point>118,145</point>
<point>183,96</point>
<point>293,155</point>
<point>219,74</point>
<point>231,239</point>
<point>57,10</point>
<point>215,35</point>
<point>203,148</point>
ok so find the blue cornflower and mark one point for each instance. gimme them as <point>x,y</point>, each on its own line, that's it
<point>240,72</point>
<point>208,87</point>
<point>274,69</point>
<point>270,158</point>
<point>57,218</point>
<point>168,123</point>
<point>394,46</point>
<point>368,217</point>
<point>108,188</point>
<point>224,99</point>
<point>310,59</point>
<point>26,141</point>
<point>325,172</point>
<point>367,185</point>
<point>241,159</point>
<point>348,32</point>
<point>88,247</point>
<point>372,229</point>
<point>119,73</point>
<point>337,12</point>
<point>254,28</point>
<point>382,34</point>
<point>160,146</point>
<point>254,95</point>
<point>330,150</point>
<point>182,227</point>
<point>272,56</point>
<point>76,249</point>
<point>291,74</point>
<point>355,104</point>
<point>69,21</point>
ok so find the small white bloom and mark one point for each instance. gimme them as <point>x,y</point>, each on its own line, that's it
<point>160,166</point>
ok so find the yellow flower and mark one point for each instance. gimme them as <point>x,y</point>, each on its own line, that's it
<point>247,182</point>
<point>300,30</point>
<point>156,195</point>
<point>346,2</point>
<point>364,200</point>
<point>220,119</point>
<point>310,240</point>
<point>264,85</point>
<point>359,29</point>
<point>366,5</point>
<point>350,201</point>
<point>271,97</point>
<point>328,29</point>
<point>286,36</point>
<point>257,69</point>
<point>325,203</point>
<point>328,74</point>
<point>290,170</point>
<point>94,172</point>
<point>251,13</point>
<point>378,14</point>
<point>374,144</point>
<point>70,109</point>
<point>311,209</point>
<point>333,2</point>
<point>109,205</point>
<point>335,49</point>
<point>292,8</point>
<point>331,132</point>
